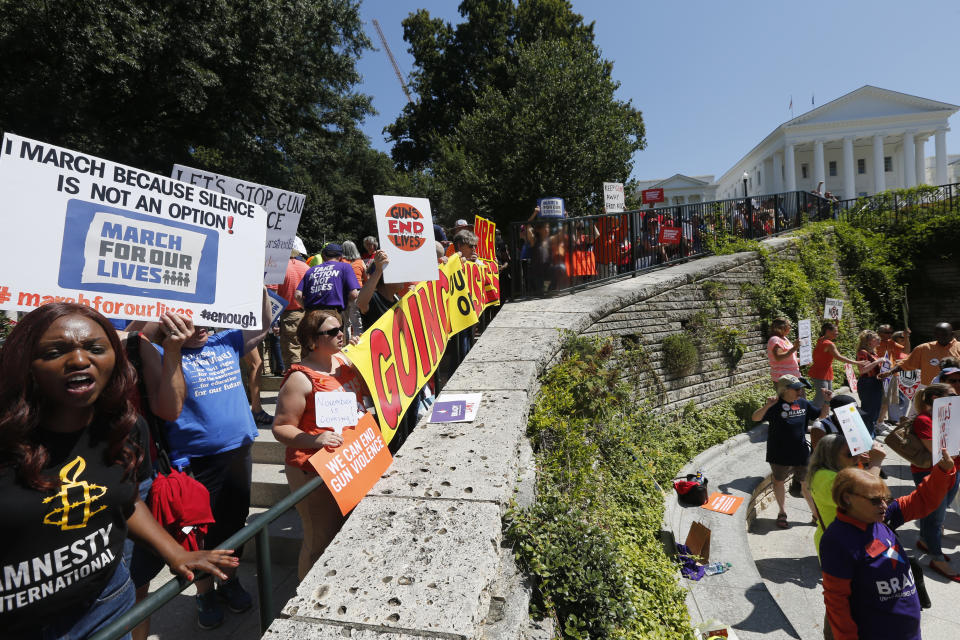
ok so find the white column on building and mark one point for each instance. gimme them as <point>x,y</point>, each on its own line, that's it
<point>849,169</point>
<point>790,167</point>
<point>777,172</point>
<point>879,181</point>
<point>918,154</point>
<point>819,175</point>
<point>909,160</point>
<point>940,139</point>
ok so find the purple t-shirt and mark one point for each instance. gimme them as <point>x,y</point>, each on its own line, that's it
<point>328,284</point>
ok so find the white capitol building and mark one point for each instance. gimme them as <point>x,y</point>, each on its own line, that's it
<point>864,142</point>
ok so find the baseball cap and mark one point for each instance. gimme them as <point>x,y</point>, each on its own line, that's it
<point>792,382</point>
<point>460,223</point>
<point>332,249</point>
<point>946,371</point>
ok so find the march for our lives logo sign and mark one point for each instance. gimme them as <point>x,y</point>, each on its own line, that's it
<point>115,251</point>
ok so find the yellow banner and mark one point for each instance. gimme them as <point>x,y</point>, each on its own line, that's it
<point>485,230</point>
<point>402,350</point>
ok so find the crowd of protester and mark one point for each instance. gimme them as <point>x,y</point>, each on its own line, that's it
<point>873,588</point>
<point>125,447</point>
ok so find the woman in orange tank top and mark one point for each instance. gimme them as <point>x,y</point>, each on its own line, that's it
<point>295,425</point>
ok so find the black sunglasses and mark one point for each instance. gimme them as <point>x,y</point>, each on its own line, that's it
<point>330,332</point>
<point>876,500</point>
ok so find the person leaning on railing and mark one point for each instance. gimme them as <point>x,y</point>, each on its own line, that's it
<point>72,450</point>
<point>323,369</point>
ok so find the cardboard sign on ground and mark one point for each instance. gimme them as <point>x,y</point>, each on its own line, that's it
<point>698,541</point>
<point>351,470</point>
<point>723,503</point>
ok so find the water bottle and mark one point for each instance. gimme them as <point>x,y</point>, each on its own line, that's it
<point>716,567</point>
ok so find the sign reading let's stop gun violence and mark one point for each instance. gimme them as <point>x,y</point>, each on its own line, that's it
<point>283,213</point>
<point>128,243</point>
<point>405,226</point>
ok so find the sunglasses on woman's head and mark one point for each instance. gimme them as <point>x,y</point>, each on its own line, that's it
<point>330,332</point>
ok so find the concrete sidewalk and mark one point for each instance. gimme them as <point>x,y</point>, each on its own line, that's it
<point>788,564</point>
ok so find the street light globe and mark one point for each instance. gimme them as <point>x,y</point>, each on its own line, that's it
<point>746,175</point>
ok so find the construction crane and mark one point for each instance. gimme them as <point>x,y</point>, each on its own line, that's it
<point>396,69</point>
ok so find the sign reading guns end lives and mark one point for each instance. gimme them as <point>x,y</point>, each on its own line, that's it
<point>128,243</point>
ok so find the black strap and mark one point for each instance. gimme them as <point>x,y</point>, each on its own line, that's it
<point>157,431</point>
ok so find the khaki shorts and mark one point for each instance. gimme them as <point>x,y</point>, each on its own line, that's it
<point>782,471</point>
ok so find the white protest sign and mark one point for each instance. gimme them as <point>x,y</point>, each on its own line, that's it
<point>946,426</point>
<point>283,213</point>
<point>851,376</point>
<point>805,352</point>
<point>551,207</point>
<point>336,409</point>
<point>614,200</point>
<point>128,243</point>
<point>832,309</point>
<point>854,430</point>
<point>405,226</point>
<point>908,382</point>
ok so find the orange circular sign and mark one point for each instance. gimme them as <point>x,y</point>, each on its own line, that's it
<point>405,227</point>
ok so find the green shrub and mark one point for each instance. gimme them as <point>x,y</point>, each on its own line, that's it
<point>727,340</point>
<point>680,354</point>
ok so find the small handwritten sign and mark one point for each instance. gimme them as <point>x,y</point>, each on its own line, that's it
<point>832,309</point>
<point>854,430</point>
<point>335,409</point>
<point>946,426</point>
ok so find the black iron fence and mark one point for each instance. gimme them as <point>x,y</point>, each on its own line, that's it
<point>565,254</point>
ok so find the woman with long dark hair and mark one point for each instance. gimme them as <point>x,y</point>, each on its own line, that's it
<point>71,455</point>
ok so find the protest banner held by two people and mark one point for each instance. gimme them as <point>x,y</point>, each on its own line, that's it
<point>128,243</point>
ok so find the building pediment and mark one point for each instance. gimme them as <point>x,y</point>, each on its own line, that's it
<point>871,102</point>
<point>680,181</point>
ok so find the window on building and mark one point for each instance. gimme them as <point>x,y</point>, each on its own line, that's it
<point>759,177</point>
<point>861,165</point>
<point>803,171</point>
<point>833,167</point>
<point>888,164</point>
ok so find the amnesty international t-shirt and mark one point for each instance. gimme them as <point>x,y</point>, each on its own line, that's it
<point>61,547</point>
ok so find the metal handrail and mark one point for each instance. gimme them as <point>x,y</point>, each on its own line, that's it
<point>145,608</point>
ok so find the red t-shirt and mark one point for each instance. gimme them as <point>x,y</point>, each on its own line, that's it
<point>863,354</point>
<point>822,367</point>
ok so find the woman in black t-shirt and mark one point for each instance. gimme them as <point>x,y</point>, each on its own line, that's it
<point>71,452</point>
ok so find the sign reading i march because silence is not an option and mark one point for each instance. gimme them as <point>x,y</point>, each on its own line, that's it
<point>128,243</point>
<point>283,213</point>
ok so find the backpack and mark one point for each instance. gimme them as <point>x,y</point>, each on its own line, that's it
<point>693,490</point>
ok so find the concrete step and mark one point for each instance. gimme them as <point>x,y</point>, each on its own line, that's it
<point>269,484</point>
<point>266,449</point>
<point>286,537</point>
<point>270,383</point>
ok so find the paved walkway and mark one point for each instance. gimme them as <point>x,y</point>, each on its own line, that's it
<point>788,564</point>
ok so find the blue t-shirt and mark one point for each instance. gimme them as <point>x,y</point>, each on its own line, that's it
<point>216,415</point>
<point>328,284</point>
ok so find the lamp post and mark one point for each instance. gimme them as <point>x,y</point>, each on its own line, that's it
<point>748,209</point>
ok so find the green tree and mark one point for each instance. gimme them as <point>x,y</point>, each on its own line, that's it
<point>259,90</point>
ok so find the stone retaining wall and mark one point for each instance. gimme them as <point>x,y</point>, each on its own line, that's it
<point>422,555</point>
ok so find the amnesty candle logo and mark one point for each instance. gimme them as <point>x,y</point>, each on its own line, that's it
<point>76,498</point>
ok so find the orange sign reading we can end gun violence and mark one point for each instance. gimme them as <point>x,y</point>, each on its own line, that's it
<point>351,470</point>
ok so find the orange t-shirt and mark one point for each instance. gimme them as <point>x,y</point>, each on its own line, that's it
<point>822,367</point>
<point>890,346</point>
<point>295,271</point>
<point>346,379</point>
<point>927,357</point>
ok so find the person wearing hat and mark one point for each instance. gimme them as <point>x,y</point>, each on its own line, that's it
<point>459,225</point>
<point>331,285</point>
<point>787,415</point>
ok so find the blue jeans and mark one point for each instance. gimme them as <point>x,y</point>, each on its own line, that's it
<point>931,525</point>
<point>115,598</point>
<point>870,390</point>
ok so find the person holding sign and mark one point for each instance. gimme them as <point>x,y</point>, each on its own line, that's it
<point>781,353</point>
<point>323,370</point>
<point>788,414</point>
<point>868,587</point>
<point>931,526</point>
<point>72,451</point>
<point>869,386</point>
<point>927,356</point>
<point>824,353</point>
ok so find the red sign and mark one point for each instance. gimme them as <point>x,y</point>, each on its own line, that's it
<point>669,235</point>
<point>651,196</point>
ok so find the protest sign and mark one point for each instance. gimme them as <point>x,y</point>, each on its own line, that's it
<point>351,470</point>
<point>886,364</point>
<point>908,382</point>
<point>405,226</point>
<point>651,196</point>
<point>851,376</point>
<point>470,403</point>
<point>669,235</point>
<point>485,231</point>
<point>484,281</point>
<point>552,207</point>
<point>946,426</point>
<point>398,354</point>
<point>283,213</point>
<point>854,430</point>
<point>335,409</point>
<point>128,243</point>
<point>805,352</point>
<point>614,200</point>
<point>277,304</point>
<point>832,309</point>
<point>723,503</point>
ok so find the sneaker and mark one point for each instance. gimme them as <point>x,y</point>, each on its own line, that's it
<point>236,597</point>
<point>209,611</point>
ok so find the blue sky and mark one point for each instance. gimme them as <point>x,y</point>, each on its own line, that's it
<point>714,78</point>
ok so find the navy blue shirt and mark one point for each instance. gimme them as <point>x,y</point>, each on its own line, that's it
<point>786,440</point>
